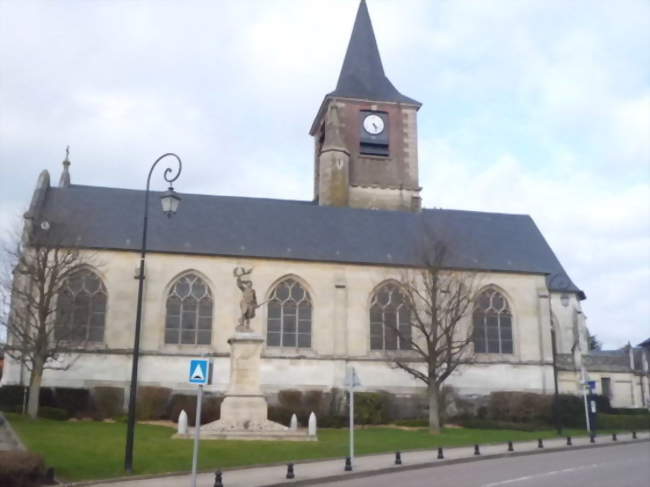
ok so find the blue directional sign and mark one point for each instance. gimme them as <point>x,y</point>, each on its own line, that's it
<point>199,371</point>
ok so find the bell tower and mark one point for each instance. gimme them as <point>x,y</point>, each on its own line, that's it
<point>373,162</point>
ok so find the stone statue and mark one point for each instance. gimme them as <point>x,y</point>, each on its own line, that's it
<point>248,303</point>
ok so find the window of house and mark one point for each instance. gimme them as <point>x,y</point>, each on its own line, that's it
<point>390,327</point>
<point>189,312</point>
<point>81,308</point>
<point>606,386</point>
<point>492,323</point>
<point>289,316</point>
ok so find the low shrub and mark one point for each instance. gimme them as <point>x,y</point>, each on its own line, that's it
<point>57,414</point>
<point>210,408</point>
<point>371,408</point>
<point>75,401</point>
<point>282,415</point>
<point>630,411</point>
<point>571,410</point>
<point>21,469</point>
<point>107,401</point>
<point>152,402</point>
<point>477,423</point>
<point>519,407</point>
<point>333,421</point>
<point>623,422</point>
<point>11,397</point>
<point>602,403</point>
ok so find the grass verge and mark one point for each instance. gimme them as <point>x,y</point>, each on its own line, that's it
<point>88,450</point>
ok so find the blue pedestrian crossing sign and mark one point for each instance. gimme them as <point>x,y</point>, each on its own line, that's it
<point>200,371</point>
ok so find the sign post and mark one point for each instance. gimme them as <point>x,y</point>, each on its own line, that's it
<point>200,375</point>
<point>351,382</point>
<point>587,388</point>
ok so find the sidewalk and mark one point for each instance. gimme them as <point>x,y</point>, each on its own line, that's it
<point>310,472</point>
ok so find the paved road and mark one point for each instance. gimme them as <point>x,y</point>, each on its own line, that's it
<point>611,466</point>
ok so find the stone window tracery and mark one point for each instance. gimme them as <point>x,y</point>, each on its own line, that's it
<point>81,308</point>
<point>390,327</point>
<point>289,316</point>
<point>492,323</point>
<point>189,312</point>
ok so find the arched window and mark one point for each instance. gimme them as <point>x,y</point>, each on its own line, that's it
<point>81,308</point>
<point>189,312</point>
<point>492,323</point>
<point>390,327</point>
<point>289,316</point>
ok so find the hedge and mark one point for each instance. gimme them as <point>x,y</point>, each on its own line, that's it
<point>623,422</point>
<point>21,469</point>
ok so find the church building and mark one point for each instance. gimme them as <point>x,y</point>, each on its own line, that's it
<point>325,269</point>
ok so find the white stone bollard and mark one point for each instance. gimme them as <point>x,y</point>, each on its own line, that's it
<point>311,430</point>
<point>182,423</point>
<point>293,424</point>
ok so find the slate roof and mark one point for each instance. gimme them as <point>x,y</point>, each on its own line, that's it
<point>362,75</point>
<point>111,218</point>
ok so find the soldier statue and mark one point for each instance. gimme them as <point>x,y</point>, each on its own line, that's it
<point>248,303</point>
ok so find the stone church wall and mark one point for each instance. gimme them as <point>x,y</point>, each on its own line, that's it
<point>340,294</point>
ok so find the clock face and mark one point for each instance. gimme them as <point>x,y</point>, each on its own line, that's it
<point>373,124</point>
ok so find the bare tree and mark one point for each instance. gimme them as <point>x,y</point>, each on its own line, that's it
<point>438,302</point>
<point>39,334</point>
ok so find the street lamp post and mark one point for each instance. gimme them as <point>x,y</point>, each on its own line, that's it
<point>564,299</point>
<point>169,201</point>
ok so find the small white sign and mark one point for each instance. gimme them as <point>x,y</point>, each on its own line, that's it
<point>351,378</point>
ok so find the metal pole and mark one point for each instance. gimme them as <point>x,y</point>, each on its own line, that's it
<point>130,429</point>
<point>197,433</point>
<point>584,395</point>
<point>352,424</point>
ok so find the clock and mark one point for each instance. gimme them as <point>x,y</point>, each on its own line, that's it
<point>373,124</point>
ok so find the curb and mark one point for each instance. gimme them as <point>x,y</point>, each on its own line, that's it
<point>353,475</point>
<point>443,463</point>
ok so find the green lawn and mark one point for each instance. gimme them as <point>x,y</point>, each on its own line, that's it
<point>93,450</point>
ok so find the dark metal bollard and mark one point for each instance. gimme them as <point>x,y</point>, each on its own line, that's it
<point>476,450</point>
<point>540,443</point>
<point>510,447</point>
<point>441,456</point>
<point>398,458</point>
<point>634,435</point>
<point>592,438</point>
<point>614,437</point>
<point>217,479</point>
<point>49,476</point>
<point>290,474</point>
<point>568,441</point>
<point>348,464</point>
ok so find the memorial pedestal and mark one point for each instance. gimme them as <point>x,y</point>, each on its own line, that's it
<point>244,409</point>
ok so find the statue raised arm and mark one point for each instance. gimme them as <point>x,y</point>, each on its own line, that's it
<point>248,303</point>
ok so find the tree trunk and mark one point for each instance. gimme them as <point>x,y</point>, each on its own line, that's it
<point>34,390</point>
<point>434,408</point>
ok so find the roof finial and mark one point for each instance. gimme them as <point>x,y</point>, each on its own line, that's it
<point>64,180</point>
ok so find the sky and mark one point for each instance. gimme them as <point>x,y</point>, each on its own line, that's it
<point>539,107</point>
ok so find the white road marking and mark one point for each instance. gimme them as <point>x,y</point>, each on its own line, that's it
<point>545,474</point>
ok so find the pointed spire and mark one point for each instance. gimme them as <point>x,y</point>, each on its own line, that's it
<point>362,75</point>
<point>333,139</point>
<point>64,180</point>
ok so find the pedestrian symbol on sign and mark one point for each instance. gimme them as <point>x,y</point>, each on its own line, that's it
<point>199,371</point>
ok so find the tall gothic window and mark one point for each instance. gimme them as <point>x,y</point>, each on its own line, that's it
<point>81,308</point>
<point>189,312</point>
<point>390,327</point>
<point>289,316</point>
<point>492,323</point>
